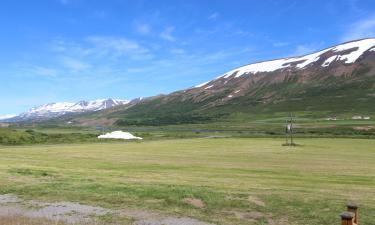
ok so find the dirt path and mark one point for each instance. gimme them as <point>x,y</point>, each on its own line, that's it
<point>75,213</point>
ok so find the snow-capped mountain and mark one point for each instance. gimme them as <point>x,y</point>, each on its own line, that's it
<point>346,53</point>
<point>52,110</point>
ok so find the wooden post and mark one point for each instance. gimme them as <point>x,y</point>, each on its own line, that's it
<point>347,218</point>
<point>291,129</point>
<point>286,133</point>
<point>351,207</point>
<point>289,126</point>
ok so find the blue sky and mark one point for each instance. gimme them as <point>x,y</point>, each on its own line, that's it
<point>70,50</point>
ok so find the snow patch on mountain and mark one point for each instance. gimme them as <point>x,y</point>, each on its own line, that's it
<point>361,46</point>
<point>202,84</point>
<point>329,61</point>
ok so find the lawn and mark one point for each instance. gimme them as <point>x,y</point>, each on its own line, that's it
<point>239,180</point>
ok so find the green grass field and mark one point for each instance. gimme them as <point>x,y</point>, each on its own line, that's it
<point>240,180</point>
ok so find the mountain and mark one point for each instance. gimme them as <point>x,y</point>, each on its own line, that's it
<point>336,81</point>
<point>53,110</point>
<point>341,56</point>
<point>339,80</point>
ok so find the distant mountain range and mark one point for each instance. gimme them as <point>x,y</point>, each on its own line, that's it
<point>339,80</point>
<point>53,110</point>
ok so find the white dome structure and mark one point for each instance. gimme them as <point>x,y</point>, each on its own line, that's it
<point>119,135</point>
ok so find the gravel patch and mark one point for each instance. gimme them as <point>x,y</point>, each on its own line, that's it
<point>76,213</point>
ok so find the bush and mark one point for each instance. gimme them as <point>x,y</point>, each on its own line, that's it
<point>17,137</point>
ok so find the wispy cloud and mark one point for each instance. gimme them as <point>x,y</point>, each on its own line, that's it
<point>360,29</point>
<point>177,51</point>
<point>307,48</point>
<point>143,29</point>
<point>100,46</point>
<point>33,70</point>
<point>44,71</point>
<point>213,16</point>
<point>86,60</point>
<point>166,34</point>
<point>280,44</point>
<point>115,46</point>
<point>64,2</point>
<point>74,64</point>
<point>304,49</point>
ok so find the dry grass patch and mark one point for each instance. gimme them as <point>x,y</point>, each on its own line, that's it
<point>196,202</point>
<point>257,201</point>
<point>21,220</point>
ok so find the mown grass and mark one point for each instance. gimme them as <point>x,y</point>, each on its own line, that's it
<point>306,185</point>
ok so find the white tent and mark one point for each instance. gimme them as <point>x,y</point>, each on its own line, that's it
<point>119,135</point>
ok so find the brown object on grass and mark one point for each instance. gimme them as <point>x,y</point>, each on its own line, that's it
<point>195,202</point>
<point>353,208</point>
<point>350,217</point>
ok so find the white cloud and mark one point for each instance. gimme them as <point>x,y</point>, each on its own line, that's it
<point>166,34</point>
<point>362,29</point>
